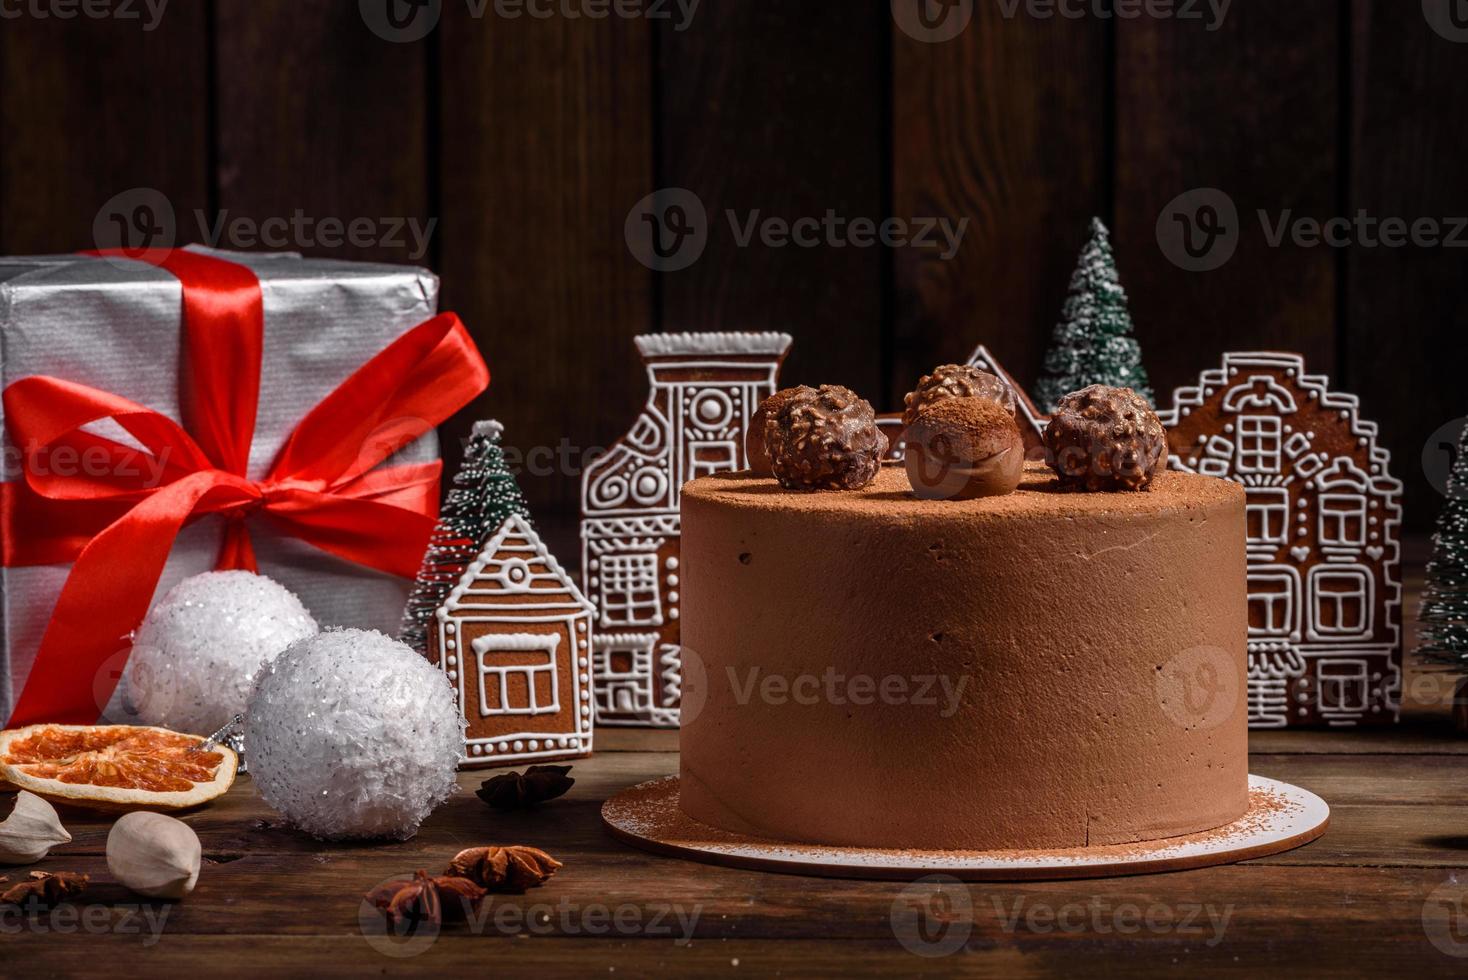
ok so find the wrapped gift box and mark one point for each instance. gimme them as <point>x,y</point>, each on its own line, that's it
<point>115,325</point>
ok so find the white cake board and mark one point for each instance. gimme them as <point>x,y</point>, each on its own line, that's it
<point>1280,817</point>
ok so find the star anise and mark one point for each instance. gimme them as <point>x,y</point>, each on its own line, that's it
<point>424,898</point>
<point>513,868</point>
<point>513,790</point>
<point>45,889</point>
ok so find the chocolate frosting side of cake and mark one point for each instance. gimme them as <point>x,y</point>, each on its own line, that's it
<point>1038,670</point>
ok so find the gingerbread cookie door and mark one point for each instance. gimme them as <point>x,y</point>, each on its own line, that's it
<point>704,388</point>
<point>1324,523</point>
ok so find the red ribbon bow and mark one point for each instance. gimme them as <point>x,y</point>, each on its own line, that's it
<point>119,527</point>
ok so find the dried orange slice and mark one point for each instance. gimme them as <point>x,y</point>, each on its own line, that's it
<point>115,767</point>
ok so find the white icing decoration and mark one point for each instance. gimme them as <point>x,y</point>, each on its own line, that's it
<point>522,617</point>
<point>1332,613</point>
<point>713,343</point>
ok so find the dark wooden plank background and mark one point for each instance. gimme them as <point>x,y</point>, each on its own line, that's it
<point>530,139</point>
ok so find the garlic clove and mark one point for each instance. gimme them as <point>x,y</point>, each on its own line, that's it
<point>31,830</point>
<point>154,855</point>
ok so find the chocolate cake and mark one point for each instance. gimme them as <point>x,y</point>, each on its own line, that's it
<point>1044,669</point>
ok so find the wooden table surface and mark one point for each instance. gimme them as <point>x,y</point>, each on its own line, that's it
<point>1385,890</point>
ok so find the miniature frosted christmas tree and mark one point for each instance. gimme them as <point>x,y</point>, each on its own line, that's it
<point>1443,640</point>
<point>483,495</point>
<point>1093,343</point>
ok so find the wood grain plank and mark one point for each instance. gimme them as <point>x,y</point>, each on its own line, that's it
<point>1221,917</point>
<point>1006,125</point>
<point>983,956</point>
<point>1417,735</point>
<point>1407,305</point>
<point>1251,109</point>
<point>1426,836</point>
<point>1341,779</point>
<point>547,142</point>
<point>241,823</point>
<point>318,116</point>
<point>94,108</point>
<point>775,111</point>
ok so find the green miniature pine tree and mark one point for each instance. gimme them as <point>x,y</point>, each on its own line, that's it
<point>1443,638</point>
<point>1093,343</point>
<point>483,495</point>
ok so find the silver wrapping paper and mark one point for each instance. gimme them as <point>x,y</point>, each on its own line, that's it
<point>115,325</point>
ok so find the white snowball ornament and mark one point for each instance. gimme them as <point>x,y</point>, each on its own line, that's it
<point>353,735</point>
<point>198,650</point>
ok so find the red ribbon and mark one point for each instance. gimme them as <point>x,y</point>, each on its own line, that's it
<point>119,527</point>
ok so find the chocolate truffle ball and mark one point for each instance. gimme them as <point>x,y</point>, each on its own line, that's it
<point>754,436</point>
<point>1104,439</point>
<point>825,439</point>
<point>956,381</point>
<point>962,448</point>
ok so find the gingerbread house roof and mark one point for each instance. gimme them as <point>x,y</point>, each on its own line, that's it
<point>515,573</point>
<point>1263,389</point>
<point>1029,412</point>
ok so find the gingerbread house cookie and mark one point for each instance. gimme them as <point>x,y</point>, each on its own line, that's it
<point>1324,519</point>
<point>514,638</point>
<point>1031,420</point>
<point>703,389</point>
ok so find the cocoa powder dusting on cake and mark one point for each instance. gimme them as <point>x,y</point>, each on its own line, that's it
<point>956,381</point>
<point>964,448</point>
